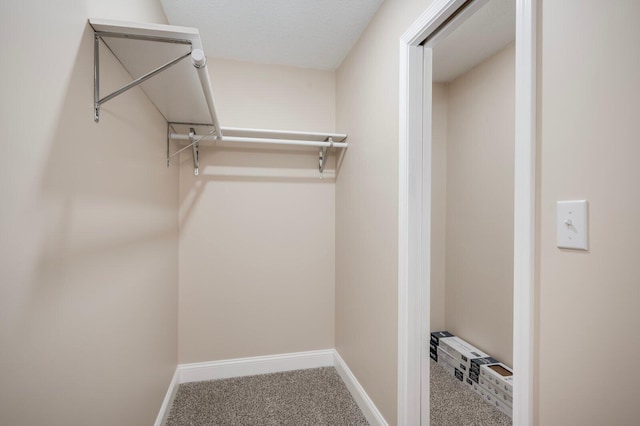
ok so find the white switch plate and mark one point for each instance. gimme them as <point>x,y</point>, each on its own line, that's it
<point>572,224</point>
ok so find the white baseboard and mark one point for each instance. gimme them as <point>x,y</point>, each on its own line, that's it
<point>239,367</point>
<point>368,408</point>
<point>165,408</point>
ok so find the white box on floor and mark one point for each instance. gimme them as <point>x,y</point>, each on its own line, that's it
<point>499,405</point>
<point>449,368</point>
<point>437,335</point>
<point>445,358</point>
<point>485,384</point>
<point>506,399</point>
<point>433,352</point>
<point>480,390</point>
<point>434,342</point>
<point>468,381</point>
<point>474,370</point>
<point>494,390</point>
<point>491,397</point>
<point>450,363</point>
<point>462,351</point>
<point>499,375</point>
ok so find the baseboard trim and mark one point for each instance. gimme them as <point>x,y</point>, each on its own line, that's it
<point>368,408</point>
<point>239,367</point>
<point>165,408</point>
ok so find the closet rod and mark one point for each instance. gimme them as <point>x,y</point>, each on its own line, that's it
<point>200,63</point>
<point>266,141</point>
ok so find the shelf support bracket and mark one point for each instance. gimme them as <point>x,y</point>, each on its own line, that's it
<point>96,78</point>
<point>168,144</point>
<point>194,147</point>
<point>97,102</point>
<point>323,156</point>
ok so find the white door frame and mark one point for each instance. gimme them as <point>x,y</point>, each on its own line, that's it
<point>415,211</point>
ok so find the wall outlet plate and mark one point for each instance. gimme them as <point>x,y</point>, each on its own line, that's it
<point>572,225</point>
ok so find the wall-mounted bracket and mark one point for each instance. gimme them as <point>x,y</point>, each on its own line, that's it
<point>194,143</point>
<point>97,101</point>
<point>323,156</point>
<point>194,148</point>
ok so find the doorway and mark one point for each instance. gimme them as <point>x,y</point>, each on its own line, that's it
<point>471,269</point>
<point>415,206</point>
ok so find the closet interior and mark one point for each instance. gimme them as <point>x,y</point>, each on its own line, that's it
<point>473,117</point>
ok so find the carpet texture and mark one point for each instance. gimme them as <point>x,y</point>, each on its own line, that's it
<point>302,397</point>
<point>454,404</point>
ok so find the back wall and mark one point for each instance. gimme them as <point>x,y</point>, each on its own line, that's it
<point>479,221</point>
<point>257,248</point>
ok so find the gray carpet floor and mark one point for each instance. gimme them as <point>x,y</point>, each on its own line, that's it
<point>314,397</point>
<point>302,397</point>
<point>454,404</point>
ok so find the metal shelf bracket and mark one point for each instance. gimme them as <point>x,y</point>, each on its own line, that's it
<point>194,148</point>
<point>97,101</point>
<point>323,156</point>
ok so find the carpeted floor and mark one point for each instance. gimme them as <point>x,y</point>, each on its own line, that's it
<point>314,397</point>
<point>302,397</point>
<point>454,404</point>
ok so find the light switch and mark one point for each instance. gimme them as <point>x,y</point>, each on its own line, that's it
<point>572,224</point>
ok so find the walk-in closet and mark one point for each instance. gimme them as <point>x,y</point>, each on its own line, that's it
<point>304,212</point>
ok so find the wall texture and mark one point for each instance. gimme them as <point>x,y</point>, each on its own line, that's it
<point>590,80</point>
<point>367,207</point>
<point>88,227</point>
<point>479,219</point>
<point>257,246</point>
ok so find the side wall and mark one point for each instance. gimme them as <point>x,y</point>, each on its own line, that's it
<point>439,120</point>
<point>367,204</point>
<point>479,220</point>
<point>590,81</point>
<point>88,227</point>
<point>257,247</point>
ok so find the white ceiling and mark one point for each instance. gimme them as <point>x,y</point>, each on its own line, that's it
<point>484,34</point>
<point>303,33</point>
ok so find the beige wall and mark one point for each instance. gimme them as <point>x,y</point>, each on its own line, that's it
<point>257,246</point>
<point>479,219</point>
<point>367,207</point>
<point>590,80</point>
<point>88,227</point>
<point>273,96</point>
<point>586,301</point>
<point>439,126</point>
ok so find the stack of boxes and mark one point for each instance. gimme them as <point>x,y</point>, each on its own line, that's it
<point>488,377</point>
